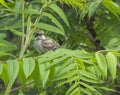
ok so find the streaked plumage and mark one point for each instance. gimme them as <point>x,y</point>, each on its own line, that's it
<point>42,44</point>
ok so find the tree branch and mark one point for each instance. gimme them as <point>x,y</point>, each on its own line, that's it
<point>90,26</point>
<point>20,87</point>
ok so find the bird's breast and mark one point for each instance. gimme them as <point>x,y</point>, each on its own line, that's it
<point>38,46</point>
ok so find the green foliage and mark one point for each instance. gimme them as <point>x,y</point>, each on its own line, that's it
<point>83,26</point>
<point>93,6</point>
<point>112,64</point>
<point>112,7</point>
<point>7,46</point>
<point>4,3</point>
<point>63,67</point>
<point>28,66</point>
<point>103,67</point>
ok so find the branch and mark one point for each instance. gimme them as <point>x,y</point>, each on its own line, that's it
<point>23,24</point>
<point>20,87</point>
<point>30,33</point>
<point>90,26</point>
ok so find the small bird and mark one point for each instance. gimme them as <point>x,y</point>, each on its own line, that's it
<point>42,44</point>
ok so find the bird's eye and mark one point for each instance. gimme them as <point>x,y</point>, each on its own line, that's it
<point>36,35</point>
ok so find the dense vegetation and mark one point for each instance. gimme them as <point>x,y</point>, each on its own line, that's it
<point>87,62</point>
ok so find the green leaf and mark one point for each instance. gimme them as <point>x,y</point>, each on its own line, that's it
<point>102,64</point>
<point>4,74</point>
<point>80,63</point>
<point>112,7</point>
<point>10,46</point>
<point>31,11</point>
<point>54,20</point>
<point>36,75</point>
<point>3,35</point>
<point>72,87</point>
<point>74,3</point>
<point>29,23</point>
<point>21,93</point>
<point>59,11</point>
<point>1,67</point>
<point>112,64</point>
<point>93,6</point>
<point>18,5</point>
<point>77,53</point>
<point>6,55</point>
<point>67,75</point>
<point>75,91</point>
<point>21,75</point>
<point>88,75</point>
<point>69,80</point>
<point>4,3</point>
<point>67,69</point>
<point>11,23</point>
<point>84,12</point>
<point>58,60</point>
<point>90,80</point>
<point>61,66</point>
<point>48,56</point>
<point>51,28</point>
<point>16,32</point>
<point>44,73</point>
<point>3,45</point>
<point>91,88</point>
<point>52,74</point>
<point>28,66</point>
<point>108,89</point>
<point>86,91</point>
<point>13,68</point>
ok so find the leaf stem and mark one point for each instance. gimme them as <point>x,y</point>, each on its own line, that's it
<point>8,88</point>
<point>20,87</point>
<point>30,33</point>
<point>23,31</point>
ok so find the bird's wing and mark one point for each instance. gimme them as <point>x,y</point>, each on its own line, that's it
<point>49,44</point>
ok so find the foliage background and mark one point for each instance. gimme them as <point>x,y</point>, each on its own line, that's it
<point>88,32</point>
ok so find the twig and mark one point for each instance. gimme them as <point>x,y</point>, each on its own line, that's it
<point>20,87</point>
<point>29,34</point>
<point>23,31</point>
<point>90,26</point>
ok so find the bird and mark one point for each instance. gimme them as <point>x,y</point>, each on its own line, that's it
<point>42,44</point>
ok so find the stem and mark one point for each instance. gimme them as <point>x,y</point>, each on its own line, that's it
<point>23,16</point>
<point>90,26</point>
<point>78,74</point>
<point>20,87</point>
<point>8,88</point>
<point>30,33</point>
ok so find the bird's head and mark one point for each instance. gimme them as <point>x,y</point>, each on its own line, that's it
<point>40,34</point>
